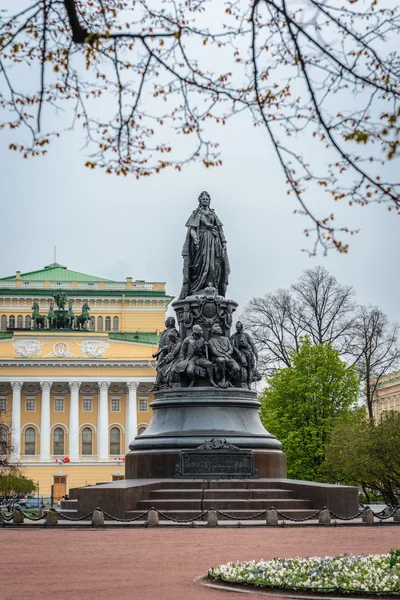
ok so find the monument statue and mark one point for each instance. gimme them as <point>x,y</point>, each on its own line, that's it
<point>52,317</point>
<point>220,352</point>
<point>82,319</point>
<point>205,258</point>
<point>245,353</point>
<point>70,317</point>
<point>192,361</point>
<point>38,320</point>
<point>61,299</point>
<point>164,340</point>
<point>165,366</point>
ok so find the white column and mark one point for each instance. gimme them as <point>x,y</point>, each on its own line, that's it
<point>45,422</point>
<point>16,421</point>
<point>102,429</point>
<point>131,413</point>
<point>74,421</point>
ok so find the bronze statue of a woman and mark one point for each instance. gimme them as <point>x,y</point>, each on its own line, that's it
<point>205,259</point>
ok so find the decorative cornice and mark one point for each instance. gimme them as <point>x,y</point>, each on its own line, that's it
<point>82,363</point>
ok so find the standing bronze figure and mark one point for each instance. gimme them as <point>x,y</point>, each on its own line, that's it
<point>205,258</point>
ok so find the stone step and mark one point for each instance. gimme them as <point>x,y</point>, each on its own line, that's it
<point>231,493</point>
<point>249,493</point>
<point>189,484</point>
<point>177,493</point>
<point>236,503</point>
<point>68,504</point>
<point>221,504</point>
<point>169,504</point>
<point>236,514</point>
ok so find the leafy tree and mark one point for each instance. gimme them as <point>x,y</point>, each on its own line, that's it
<point>365,453</point>
<point>317,305</point>
<point>303,403</point>
<point>13,483</point>
<point>322,80</point>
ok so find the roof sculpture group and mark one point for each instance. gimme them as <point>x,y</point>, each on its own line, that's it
<point>202,352</point>
<point>61,317</point>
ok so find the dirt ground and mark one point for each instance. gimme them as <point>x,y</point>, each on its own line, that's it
<point>148,564</point>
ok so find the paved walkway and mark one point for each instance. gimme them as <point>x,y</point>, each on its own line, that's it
<point>157,564</point>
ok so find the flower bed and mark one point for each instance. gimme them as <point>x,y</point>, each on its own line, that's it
<point>372,574</point>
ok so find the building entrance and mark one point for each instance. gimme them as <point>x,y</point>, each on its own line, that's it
<point>60,487</point>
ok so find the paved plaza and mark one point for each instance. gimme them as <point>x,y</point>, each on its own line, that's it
<point>149,564</point>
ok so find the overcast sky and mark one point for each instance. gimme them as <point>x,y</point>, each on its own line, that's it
<point>118,227</point>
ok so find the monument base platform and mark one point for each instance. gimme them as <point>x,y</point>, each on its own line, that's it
<point>185,419</point>
<point>150,464</point>
<point>186,498</point>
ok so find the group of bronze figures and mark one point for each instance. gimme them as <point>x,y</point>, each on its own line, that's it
<point>61,318</point>
<point>203,353</point>
<point>220,362</point>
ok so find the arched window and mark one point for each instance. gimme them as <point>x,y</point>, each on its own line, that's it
<point>30,441</point>
<point>20,322</point>
<point>28,322</point>
<point>11,322</point>
<point>141,430</point>
<point>115,441</point>
<point>108,323</point>
<point>99,323</point>
<point>58,441</point>
<point>115,324</point>
<point>3,322</point>
<point>87,441</point>
<point>3,441</point>
<point>91,324</point>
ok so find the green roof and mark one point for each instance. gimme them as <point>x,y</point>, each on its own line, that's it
<point>55,272</point>
<point>141,337</point>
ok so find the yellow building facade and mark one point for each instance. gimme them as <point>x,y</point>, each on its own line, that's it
<point>387,395</point>
<point>71,400</point>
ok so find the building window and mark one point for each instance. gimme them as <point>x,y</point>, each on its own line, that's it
<point>28,322</point>
<point>30,441</point>
<point>20,322</point>
<point>99,323</point>
<point>108,323</point>
<point>87,441</point>
<point>143,405</point>
<point>115,405</point>
<point>30,404</point>
<point>11,322</point>
<point>116,324</point>
<point>3,405</point>
<point>87,405</point>
<point>3,322</point>
<point>141,430</point>
<point>3,441</point>
<point>58,404</point>
<point>115,441</point>
<point>91,326</point>
<point>58,441</point>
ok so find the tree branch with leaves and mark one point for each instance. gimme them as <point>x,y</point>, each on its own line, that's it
<point>322,80</point>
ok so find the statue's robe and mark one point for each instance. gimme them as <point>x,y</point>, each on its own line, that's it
<point>209,261</point>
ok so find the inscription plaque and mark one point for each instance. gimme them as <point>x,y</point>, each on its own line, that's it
<point>216,459</point>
